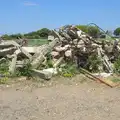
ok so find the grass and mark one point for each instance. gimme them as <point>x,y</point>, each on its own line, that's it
<point>37,42</point>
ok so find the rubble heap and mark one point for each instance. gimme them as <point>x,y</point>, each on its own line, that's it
<point>77,46</point>
<point>66,44</point>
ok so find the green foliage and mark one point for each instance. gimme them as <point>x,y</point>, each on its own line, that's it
<point>4,79</point>
<point>117,66</point>
<point>25,71</point>
<point>11,37</point>
<point>93,63</point>
<point>6,37</point>
<point>84,28</point>
<point>116,79</point>
<point>32,35</point>
<point>117,31</point>
<point>91,30</point>
<point>37,42</point>
<point>42,33</point>
<point>69,70</point>
<point>4,67</point>
<point>49,63</point>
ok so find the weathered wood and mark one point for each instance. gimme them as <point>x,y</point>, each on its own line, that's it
<point>7,51</point>
<point>26,53</point>
<point>16,46</point>
<point>58,62</point>
<point>66,36</point>
<point>7,44</point>
<point>57,35</point>
<point>60,49</point>
<point>94,77</point>
<point>105,60</point>
<point>23,51</point>
<point>37,61</point>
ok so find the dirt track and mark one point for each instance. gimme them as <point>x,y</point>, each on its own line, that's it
<point>85,101</point>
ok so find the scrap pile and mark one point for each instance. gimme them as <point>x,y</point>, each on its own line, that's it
<point>68,44</point>
<point>79,47</point>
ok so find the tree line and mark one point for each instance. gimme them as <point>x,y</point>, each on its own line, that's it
<point>44,32</point>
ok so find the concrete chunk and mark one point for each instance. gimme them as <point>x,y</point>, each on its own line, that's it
<point>42,74</point>
<point>7,51</point>
<point>12,66</point>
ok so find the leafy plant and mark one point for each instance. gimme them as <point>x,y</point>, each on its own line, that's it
<point>93,63</point>
<point>25,71</point>
<point>4,73</point>
<point>49,63</point>
<point>117,66</point>
<point>91,30</point>
<point>69,70</point>
<point>116,80</point>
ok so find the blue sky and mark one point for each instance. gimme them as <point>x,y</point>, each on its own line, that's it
<point>29,15</point>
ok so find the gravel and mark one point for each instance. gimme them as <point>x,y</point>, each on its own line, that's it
<point>85,101</point>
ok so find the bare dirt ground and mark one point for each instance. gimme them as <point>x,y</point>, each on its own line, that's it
<point>73,99</point>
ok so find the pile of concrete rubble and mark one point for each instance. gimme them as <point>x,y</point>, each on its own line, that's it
<point>77,46</point>
<point>66,44</point>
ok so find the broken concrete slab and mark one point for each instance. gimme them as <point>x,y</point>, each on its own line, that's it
<point>12,66</point>
<point>52,70</point>
<point>20,64</point>
<point>58,62</point>
<point>51,38</point>
<point>7,51</point>
<point>23,51</point>
<point>42,74</point>
<point>37,61</point>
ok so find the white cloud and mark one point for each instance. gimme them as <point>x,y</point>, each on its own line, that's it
<point>29,3</point>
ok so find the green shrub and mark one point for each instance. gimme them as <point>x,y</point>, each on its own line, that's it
<point>93,63</point>
<point>69,70</point>
<point>4,67</point>
<point>117,66</point>
<point>117,31</point>
<point>91,30</point>
<point>26,70</point>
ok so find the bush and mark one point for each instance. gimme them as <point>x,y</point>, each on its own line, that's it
<point>25,71</point>
<point>91,30</point>
<point>4,73</point>
<point>117,66</point>
<point>69,70</point>
<point>84,28</point>
<point>117,31</point>
<point>93,63</point>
